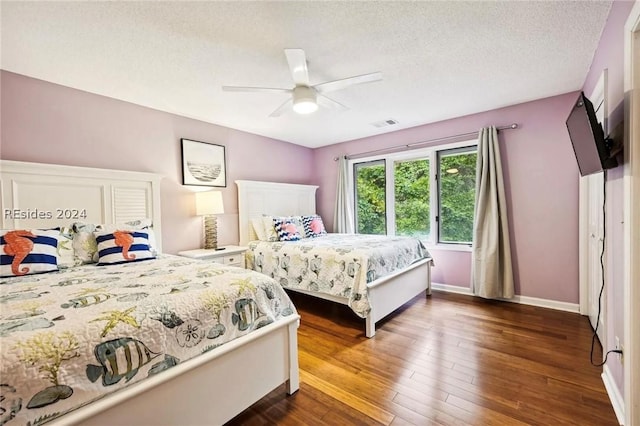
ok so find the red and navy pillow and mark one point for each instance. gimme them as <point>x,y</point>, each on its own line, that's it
<point>28,251</point>
<point>123,246</point>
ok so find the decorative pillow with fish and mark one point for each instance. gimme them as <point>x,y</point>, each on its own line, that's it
<point>28,251</point>
<point>286,229</point>
<point>66,253</point>
<point>85,248</point>
<point>313,226</point>
<point>122,246</point>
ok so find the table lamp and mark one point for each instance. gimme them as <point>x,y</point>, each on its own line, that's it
<point>209,204</point>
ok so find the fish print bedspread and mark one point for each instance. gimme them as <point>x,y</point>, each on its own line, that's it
<point>336,264</point>
<point>69,337</point>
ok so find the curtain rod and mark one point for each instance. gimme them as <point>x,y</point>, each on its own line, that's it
<point>411,145</point>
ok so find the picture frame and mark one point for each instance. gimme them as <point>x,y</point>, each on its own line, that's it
<point>203,164</point>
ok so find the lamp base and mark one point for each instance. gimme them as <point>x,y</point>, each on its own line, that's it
<point>210,233</point>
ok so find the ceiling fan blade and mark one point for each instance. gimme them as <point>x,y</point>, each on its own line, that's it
<point>330,103</point>
<point>331,86</point>
<point>298,66</point>
<point>254,89</point>
<point>282,108</point>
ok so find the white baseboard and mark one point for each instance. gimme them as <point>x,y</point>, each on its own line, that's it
<point>546,303</point>
<point>452,288</point>
<point>614,394</point>
<point>525,300</point>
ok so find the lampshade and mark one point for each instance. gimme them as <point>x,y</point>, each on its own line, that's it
<point>304,100</point>
<point>209,202</point>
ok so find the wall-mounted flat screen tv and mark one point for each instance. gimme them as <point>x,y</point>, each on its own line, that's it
<point>589,144</point>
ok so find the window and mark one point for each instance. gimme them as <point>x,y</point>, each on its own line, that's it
<point>411,189</point>
<point>457,192</point>
<point>370,197</point>
<point>427,193</point>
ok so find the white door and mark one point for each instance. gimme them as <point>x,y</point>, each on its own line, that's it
<point>595,242</point>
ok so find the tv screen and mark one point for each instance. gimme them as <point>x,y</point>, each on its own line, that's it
<point>587,138</point>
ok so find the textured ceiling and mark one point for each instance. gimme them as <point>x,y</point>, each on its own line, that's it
<point>439,60</point>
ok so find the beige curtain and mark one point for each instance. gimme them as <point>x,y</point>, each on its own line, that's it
<point>492,274</point>
<point>343,215</point>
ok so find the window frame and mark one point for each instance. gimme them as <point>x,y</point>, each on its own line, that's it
<point>432,154</point>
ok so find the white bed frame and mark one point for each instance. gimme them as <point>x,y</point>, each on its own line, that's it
<point>194,392</point>
<point>386,294</point>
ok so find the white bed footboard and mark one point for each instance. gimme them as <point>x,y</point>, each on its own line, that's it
<point>208,390</point>
<point>389,293</point>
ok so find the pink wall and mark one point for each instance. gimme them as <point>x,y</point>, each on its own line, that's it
<point>541,179</point>
<point>48,123</point>
<point>610,55</point>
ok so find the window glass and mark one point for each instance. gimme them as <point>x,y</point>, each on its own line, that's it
<point>411,188</point>
<point>457,183</point>
<point>370,197</point>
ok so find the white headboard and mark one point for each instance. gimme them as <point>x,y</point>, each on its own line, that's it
<point>277,199</point>
<point>36,195</point>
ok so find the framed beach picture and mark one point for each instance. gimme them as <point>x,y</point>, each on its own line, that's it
<point>203,164</point>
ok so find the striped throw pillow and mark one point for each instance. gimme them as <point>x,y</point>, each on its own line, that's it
<point>313,226</point>
<point>123,246</point>
<point>286,229</point>
<point>28,251</point>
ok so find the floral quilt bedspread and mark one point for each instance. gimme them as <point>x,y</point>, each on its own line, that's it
<point>336,264</point>
<point>69,337</point>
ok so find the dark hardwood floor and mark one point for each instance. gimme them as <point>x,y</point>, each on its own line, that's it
<point>445,360</point>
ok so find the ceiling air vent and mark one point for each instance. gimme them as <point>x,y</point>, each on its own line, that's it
<point>385,123</point>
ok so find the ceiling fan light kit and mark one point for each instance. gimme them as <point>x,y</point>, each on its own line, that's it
<point>305,98</point>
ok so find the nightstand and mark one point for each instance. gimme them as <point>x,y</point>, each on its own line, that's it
<point>231,255</point>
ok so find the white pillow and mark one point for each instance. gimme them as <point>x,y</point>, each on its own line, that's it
<point>258,228</point>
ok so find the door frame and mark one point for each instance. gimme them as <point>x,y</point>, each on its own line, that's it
<point>631,222</point>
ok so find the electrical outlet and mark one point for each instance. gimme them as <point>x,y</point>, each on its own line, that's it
<point>619,347</point>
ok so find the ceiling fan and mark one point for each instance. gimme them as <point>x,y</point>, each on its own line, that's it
<point>304,97</point>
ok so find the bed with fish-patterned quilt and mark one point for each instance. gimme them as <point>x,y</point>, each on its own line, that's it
<point>335,264</point>
<point>138,338</point>
<point>347,269</point>
<point>72,336</point>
